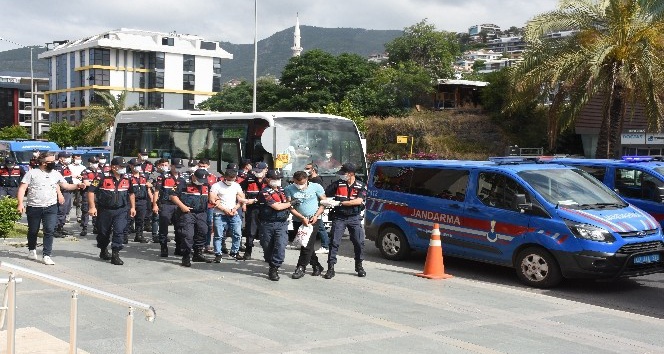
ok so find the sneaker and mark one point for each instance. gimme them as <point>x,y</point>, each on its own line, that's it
<point>32,254</point>
<point>322,250</point>
<point>47,260</point>
<point>217,258</point>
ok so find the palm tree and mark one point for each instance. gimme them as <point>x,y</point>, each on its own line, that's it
<point>101,116</point>
<point>616,54</point>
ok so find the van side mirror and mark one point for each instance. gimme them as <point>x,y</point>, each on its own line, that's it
<point>520,203</point>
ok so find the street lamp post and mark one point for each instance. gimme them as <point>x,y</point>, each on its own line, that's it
<point>33,120</point>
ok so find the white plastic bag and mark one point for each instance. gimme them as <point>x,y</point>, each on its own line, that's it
<point>302,236</point>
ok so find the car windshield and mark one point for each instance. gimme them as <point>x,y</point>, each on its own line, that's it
<point>571,188</point>
<point>659,170</point>
<point>327,142</point>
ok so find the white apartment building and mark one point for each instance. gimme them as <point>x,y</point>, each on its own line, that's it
<point>158,70</point>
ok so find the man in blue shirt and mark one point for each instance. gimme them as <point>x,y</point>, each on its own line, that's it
<point>307,212</point>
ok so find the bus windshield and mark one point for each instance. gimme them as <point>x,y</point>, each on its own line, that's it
<point>326,142</point>
<point>571,188</point>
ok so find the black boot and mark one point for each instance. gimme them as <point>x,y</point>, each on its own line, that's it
<point>64,232</point>
<point>140,238</point>
<point>273,273</point>
<point>186,262</point>
<point>164,250</point>
<point>199,257</point>
<point>330,272</point>
<point>115,258</point>
<point>177,251</point>
<point>103,254</point>
<point>84,231</point>
<point>224,249</point>
<point>299,272</point>
<point>318,270</point>
<point>125,240</point>
<point>247,254</point>
<point>58,232</point>
<point>359,269</point>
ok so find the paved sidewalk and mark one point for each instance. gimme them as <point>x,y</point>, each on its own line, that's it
<point>233,308</point>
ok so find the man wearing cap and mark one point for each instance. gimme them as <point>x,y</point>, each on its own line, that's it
<point>43,185</point>
<point>77,167</point>
<point>142,196</point>
<point>226,196</point>
<point>87,176</point>
<point>162,204</point>
<point>211,180</point>
<point>274,212</point>
<point>252,186</point>
<point>103,166</point>
<point>191,198</point>
<point>243,170</point>
<point>349,195</point>
<point>146,165</point>
<point>10,178</point>
<point>64,208</point>
<point>115,198</point>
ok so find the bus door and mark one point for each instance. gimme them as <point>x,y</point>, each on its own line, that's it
<point>230,151</point>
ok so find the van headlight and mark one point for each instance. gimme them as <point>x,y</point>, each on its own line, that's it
<point>590,232</point>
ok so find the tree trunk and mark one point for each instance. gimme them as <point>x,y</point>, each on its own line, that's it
<point>615,126</point>
<point>602,150</point>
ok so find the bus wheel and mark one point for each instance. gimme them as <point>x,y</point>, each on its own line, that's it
<point>393,244</point>
<point>537,268</point>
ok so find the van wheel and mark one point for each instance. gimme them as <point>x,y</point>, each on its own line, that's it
<point>393,244</point>
<point>537,268</point>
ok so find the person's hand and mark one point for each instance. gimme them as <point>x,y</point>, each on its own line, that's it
<point>61,199</point>
<point>132,212</point>
<point>92,211</point>
<point>155,208</point>
<point>313,219</point>
<point>185,209</point>
<point>21,208</point>
<point>305,221</point>
<point>295,202</point>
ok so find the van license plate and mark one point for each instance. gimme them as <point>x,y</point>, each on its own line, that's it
<point>647,258</point>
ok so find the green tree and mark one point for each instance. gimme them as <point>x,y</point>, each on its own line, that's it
<point>345,109</point>
<point>392,91</point>
<point>239,98</point>
<point>13,132</point>
<point>616,55</point>
<point>424,45</point>
<point>63,134</point>
<point>101,116</point>
<point>9,215</point>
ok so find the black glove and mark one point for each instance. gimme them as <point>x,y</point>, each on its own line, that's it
<point>295,202</point>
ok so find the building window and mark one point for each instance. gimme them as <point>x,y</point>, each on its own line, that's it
<point>141,99</point>
<point>208,45</point>
<point>81,58</point>
<point>100,77</point>
<point>216,74</point>
<point>139,60</point>
<point>156,60</point>
<point>61,72</point>
<point>155,100</point>
<point>73,74</point>
<point>188,82</point>
<point>188,101</point>
<point>156,79</point>
<point>100,56</point>
<point>95,99</point>
<point>188,63</point>
<point>168,41</point>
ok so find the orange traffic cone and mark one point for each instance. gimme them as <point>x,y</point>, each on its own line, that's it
<point>434,267</point>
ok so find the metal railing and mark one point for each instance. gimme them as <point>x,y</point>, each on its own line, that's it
<point>76,290</point>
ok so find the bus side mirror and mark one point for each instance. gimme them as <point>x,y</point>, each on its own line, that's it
<point>520,203</point>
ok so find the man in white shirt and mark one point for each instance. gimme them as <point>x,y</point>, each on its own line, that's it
<point>227,197</point>
<point>43,185</point>
<point>77,167</point>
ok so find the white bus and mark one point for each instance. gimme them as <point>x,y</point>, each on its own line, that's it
<point>284,140</point>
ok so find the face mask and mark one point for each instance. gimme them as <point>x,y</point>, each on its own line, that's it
<point>301,186</point>
<point>228,183</point>
<point>308,172</point>
<point>203,168</point>
<point>193,168</point>
<point>164,169</point>
<point>343,177</point>
<point>77,162</point>
<point>198,183</point>
<point>50,166</point>
<point>102,161</point>
<point>328,155</point>
<point>260,175</point>
<point>65,162</point>
<point>275,183</point>
<point>35,154</point>
<point>94,166</point>
<point>10,165</point>
<point>137,169</point>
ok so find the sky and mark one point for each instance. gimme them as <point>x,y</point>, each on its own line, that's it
<point>36,22</point>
